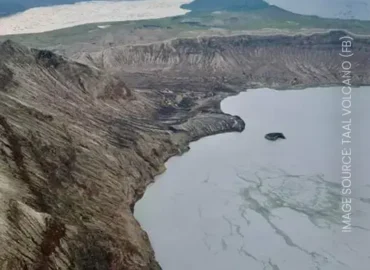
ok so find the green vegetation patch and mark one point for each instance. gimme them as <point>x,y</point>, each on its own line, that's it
<point>191,24</point>
<point>225,5</point>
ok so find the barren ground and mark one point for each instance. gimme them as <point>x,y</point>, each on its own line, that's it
<point>80,141</point>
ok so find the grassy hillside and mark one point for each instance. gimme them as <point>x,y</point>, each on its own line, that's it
<point>192,24</point>
<point>229,5</point>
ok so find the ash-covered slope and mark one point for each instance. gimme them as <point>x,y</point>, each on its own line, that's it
<point>77,149</point>
<point>240,61</point>
<point>79,143</point>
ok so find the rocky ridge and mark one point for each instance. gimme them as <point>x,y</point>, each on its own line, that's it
<point>78,147</point>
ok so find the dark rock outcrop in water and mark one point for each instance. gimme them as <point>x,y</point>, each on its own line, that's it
<point>79,143</point>
<point>274,136</point>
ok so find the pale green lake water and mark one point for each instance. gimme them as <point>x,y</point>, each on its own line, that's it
<point>237,201</point>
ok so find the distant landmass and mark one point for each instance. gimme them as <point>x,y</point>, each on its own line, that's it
<point>231,5</point>
<point>8,7</point>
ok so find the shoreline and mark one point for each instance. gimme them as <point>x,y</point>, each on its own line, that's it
<point>187,146</point>
<point>196,140</point>
<point>52,18</point>
<point>151,199</point>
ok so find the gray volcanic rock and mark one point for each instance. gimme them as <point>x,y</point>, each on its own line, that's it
<point>274,136</point>
<point>77,149</point>
<point>230,64</point>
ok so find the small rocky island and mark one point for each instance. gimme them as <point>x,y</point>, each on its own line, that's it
<point>274,136</point>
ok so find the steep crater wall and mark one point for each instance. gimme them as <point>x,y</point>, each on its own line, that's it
<point>243,61</point>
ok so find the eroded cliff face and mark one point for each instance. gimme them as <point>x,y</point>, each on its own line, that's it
<point>79,143</point>
<point>243,61</point>
<point>67,172</point>
<point>78,147</point>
